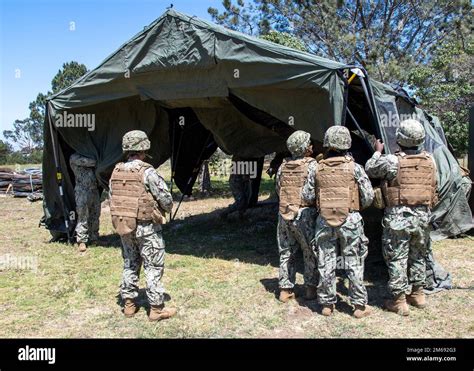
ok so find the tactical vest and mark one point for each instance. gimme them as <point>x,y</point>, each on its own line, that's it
<point>292,177</point>
<point>337,189</point>
<point>130,200</point>
<point>415,183</point>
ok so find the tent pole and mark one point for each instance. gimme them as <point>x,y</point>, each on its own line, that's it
<point>366,140</point>
<point>175,162</point>
<point>59,180</point>
<point>371,105</point>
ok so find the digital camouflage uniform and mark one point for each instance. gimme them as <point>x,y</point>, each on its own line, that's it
<point>349,236</point>
<point>353,245</point>
<point>146,244</point>
<point>241,189</point>
<point>87,198</point>
<point>406,232</point>
<point>297,233</point>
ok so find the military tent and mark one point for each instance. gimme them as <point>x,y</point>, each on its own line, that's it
<point>192,86</point>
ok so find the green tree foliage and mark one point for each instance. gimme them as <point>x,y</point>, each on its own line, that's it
<point>5,150</point>
<point>286,39</point>
<point>388,38</point>
<point>28,133</point>
<point>70,72</point>
<point>444,87</point>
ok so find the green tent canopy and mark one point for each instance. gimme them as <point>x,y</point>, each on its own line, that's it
<point>193,86</point>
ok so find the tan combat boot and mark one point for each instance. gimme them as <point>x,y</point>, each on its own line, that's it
<point>158,312</point>
<point>286,295</point>
<point>398,305</point>
<point>82,247</point>
<point>417,297</point>
<point>129,308</point>
<point>328,310</point>
<point>311,293</point>
<point>361,311</point>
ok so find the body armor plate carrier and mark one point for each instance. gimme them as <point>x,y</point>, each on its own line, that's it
<point>292,179</point>
<point>130,201</point>
<point>337,189</point>
<point>415,183</point>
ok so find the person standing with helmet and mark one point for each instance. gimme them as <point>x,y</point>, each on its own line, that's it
<point>409,188</point>
<point>297,214</point>
<point>139,199</point>
<point>342,189</point>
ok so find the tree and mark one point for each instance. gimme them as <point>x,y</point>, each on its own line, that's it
<point>444,87</point>
<point>70,72</point>
<point>388,38</point>
<point>286,39</point>
<point>28,133</point>
<point>5,150</point>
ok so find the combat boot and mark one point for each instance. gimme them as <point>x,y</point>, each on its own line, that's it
<point>158,312</point>
<point>361,311</point>
<point>328,310</point>
<point>129,308</point>
<point>398,305</point>
<point>417,297</point>
<point>311,293</point>
<point>286,295</point>
<point>82,247</point>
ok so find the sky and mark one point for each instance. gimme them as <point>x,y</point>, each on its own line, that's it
<point>38,36</point>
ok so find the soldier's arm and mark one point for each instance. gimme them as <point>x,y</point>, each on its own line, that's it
<point>277,182</point>
<point>159,190</point>
<point>366,192</point>
<point>382,166</point>
<point>308,193</point>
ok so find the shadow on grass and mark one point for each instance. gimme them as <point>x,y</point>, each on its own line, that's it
<point>251,240</point>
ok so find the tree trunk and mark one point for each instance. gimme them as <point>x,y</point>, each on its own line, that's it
<point>204,178</point>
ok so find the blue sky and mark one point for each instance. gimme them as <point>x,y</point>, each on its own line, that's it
<point>35,40</point>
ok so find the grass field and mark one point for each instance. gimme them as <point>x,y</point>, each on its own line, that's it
<point>222,277</point>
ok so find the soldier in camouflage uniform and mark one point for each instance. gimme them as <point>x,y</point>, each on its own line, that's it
<point>139,199</point>
<point>409,189</point>
<point>342,189</point>
<point>295,189</point>
<point>87,200</point>
<point>240,186</point>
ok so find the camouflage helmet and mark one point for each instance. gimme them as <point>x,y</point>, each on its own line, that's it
<point>411,133</point>
<point>135,140</point>
<point>298,142</point>
<point>338,138</point>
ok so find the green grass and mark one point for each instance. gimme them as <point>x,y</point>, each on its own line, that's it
<point>222,277</point>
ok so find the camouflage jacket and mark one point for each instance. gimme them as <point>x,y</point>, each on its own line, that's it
<point>84,171</point>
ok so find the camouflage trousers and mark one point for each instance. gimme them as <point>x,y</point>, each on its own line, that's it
<point>88,214</point>
<point>293,235</point>
<point>353,246</point>
<point>145,245</point>
<point>241,189</point>
<point>405,246</point>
